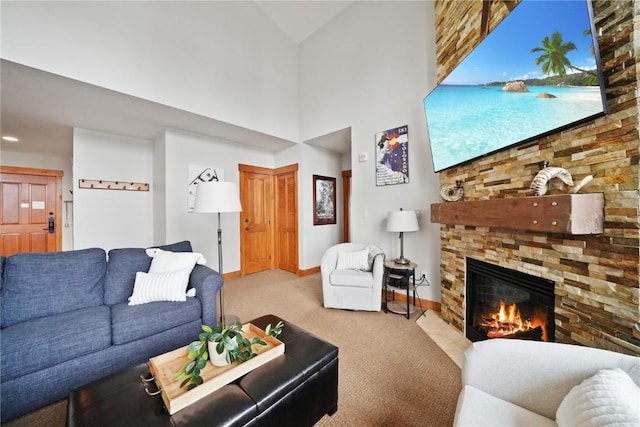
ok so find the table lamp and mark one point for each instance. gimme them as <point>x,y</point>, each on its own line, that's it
<point>402,222</point>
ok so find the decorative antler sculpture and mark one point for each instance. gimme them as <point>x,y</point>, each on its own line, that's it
<point>540,184</point>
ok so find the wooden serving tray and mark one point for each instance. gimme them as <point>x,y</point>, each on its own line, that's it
<point>165,367</point>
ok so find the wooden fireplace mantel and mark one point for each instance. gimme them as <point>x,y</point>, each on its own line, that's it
<point>562,213</point>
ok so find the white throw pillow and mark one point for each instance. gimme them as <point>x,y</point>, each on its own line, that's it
<point>164,261</point>
<point>354,260</point>
<point>167,286</point>
<point>608,398</point>
<point>372,252</point>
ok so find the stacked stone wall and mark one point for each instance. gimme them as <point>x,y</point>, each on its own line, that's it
<point>597,276</point>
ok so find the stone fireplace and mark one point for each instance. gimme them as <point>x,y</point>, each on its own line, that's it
<point>595,276</point>
<point>504,303</point>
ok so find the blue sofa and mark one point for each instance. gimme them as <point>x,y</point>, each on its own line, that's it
<point>66,321</point>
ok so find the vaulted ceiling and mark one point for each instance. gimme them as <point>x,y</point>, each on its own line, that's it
<point>42,108</point>
<point>299,19</point>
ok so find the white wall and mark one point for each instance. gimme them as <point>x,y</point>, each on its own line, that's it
<point>369,69</point>
<point>181,149</point>
<point>346,161</point>
<point>224,60</point>
<point>159,191</point>
<point>112,218</point>
<point>315,239</point>
<point>30,160</point>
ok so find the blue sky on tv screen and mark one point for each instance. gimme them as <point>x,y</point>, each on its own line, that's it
<point>506,53</point>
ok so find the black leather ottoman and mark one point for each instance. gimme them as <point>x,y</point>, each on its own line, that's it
<point>294,389</point>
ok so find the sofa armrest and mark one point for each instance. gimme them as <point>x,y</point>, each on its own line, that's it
<point>537,375</point>
<point>328,262</point>
<point>207,283</point>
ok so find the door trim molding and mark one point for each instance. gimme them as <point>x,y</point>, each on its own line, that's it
<point>346,195</point>
<point>254,169</point>
<point>31,171</point>
<point>286,169</point>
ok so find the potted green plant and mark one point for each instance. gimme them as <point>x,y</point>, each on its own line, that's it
<point>227,341</point>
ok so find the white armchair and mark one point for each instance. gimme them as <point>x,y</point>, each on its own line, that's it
<point>510,382</point>
<point>352,276</point>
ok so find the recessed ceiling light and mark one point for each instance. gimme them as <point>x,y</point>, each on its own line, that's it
<point>10,138</point>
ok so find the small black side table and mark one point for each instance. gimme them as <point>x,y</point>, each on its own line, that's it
<point>401,273</point>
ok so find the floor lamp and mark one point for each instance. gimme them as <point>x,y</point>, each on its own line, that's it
<point>218,197</point>
<point>402,222</point>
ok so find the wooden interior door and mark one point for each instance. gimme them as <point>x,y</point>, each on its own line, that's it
<point>256,241</point>
<point>30,201</point>
<point>287,218</point>
<point>346,197</point>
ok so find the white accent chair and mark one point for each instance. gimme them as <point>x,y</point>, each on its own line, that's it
<point>352,288</point>
<point>511,382</point>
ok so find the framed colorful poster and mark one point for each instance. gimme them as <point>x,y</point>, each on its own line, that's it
<point>324,200</point>
<point>392,156</point>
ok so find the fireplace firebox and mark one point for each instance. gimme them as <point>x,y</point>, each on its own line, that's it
<point>505,303</point>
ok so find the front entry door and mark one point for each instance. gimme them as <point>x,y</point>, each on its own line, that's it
<point>256,196</point>
<point>30,206</point>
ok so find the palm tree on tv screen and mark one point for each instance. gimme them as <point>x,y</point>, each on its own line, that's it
<point>592,49</point>
<point>554,59</point>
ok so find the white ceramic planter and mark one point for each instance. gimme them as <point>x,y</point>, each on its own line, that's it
<point>217,359</point>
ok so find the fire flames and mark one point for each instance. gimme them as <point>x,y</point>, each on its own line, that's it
<point>507,321</point>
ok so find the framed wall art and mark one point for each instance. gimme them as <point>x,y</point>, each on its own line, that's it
<point>392,156</point>
<point>324,200</point>
<point>199,173</point>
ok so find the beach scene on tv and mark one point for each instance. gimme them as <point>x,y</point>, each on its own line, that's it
<point>534,73</point>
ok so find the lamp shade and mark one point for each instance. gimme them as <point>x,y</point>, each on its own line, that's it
<point>402,221</point>
<point>217,196</point>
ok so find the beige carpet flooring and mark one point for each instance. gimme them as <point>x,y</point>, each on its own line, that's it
<point>390,372</point>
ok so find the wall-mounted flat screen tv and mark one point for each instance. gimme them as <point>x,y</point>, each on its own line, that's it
<point>536,73</point>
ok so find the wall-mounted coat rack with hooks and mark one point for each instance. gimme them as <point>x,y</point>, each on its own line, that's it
<point>113,185</point>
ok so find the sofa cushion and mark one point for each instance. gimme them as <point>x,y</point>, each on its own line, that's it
<point>168,276</point>
<point>164,261</point>
<point>374,251</point>
<point>123,265</point>
<point>351,278</point>
<point>477,408</point>
<point>610,397</point>
<point>168,286</point>
<point>133,322</point>
<point>73,279</point>
<point>39,343</point>
<point>355,260</point>
<point>183,246</point>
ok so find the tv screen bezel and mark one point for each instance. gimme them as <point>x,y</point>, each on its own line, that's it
<point>526,142</point>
